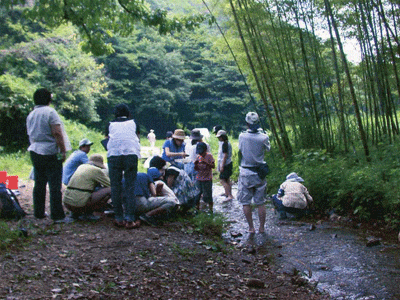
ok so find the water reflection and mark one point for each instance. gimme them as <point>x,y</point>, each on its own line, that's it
<point>336,259</point>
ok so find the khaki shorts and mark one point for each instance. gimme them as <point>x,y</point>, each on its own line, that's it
<point>251,187</point>
<point>144,205</point>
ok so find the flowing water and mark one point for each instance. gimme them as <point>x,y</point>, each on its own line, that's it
<point>335,258</point>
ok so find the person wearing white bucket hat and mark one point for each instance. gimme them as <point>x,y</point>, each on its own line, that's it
<point>292,197</point>
<point>252,184</point>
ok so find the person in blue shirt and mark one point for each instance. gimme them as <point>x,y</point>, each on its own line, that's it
<point>174,149</point>
<point>148,204</point>
<point>76,159</point>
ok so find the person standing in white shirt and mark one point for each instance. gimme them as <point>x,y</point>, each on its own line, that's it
<point>48,146</point>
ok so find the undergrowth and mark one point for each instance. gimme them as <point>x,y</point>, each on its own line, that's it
<point>347,183</point>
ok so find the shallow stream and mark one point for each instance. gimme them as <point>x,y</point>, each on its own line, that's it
<point>335,258</point>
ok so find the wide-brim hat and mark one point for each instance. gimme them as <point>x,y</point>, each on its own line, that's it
<point>196,135</point>
<point>252,118</point>
<point>294,177</point>
<point>220,133</point>
<point>179,134</point>
<point>97,160</point>
<point>85,142</point>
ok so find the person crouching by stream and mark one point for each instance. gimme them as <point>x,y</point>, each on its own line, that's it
<point>88,190</point>
<point>292,197</point>
<point>149,206</point>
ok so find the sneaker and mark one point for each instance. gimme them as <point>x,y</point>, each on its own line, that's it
<point>66,220</point>
<point>89,218</point>
<point>149,220</point>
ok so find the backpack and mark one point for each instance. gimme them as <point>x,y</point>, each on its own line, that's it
<point>9,205</point>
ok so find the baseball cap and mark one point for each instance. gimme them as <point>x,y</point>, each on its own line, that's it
<point>85,142</point>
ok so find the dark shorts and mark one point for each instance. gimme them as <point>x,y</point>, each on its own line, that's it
<point>227,173</point>
<point>206,190</point>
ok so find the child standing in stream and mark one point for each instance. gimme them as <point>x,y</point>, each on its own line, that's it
<point>204,164</point>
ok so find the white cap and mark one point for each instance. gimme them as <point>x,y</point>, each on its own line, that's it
<point>220,132</point>
<point>252,118</point>
<point>85,142</point>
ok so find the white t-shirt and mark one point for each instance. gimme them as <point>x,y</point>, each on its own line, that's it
<point>123,139</point>
<point>38,124</point>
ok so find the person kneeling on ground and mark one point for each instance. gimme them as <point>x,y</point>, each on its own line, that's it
<point>183,187</point>
<point>88,190</point>
<point>292,197</point>
<point>149,206</point>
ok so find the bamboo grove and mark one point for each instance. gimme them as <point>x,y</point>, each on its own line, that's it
<point>313,95</point>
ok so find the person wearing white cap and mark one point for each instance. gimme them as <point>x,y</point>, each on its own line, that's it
<point>77,158</point>
<point>152,138</point>
<point>292,197</point>
<point>225,163</point>
<point>252,185</point>
<point>88,190</point>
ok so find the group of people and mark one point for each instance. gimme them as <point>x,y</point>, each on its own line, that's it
<point>178,180</point>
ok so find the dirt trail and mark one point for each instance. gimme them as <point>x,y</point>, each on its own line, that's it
<point>99,261</point>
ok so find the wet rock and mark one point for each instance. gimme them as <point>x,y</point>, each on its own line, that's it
<point>236,234</point>
<point>255,283</point>
<point>334,217</point>
<point>373,241</point>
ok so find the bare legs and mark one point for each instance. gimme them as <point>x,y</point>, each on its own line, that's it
<point>226,183</point>
<point>249,217</point>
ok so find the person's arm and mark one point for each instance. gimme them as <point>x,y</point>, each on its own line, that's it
<point>173,154</point>
<point>56,132</point>
<point>211,163</point>
<point>308,196</point>
<point>225,157</point>
<point>103,179</point>
<point>152,189</point>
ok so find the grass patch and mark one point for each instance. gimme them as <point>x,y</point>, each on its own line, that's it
<point>9,238</point>
<point>210,225</point>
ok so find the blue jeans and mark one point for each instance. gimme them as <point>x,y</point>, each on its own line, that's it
<point>126,166</point>
<point>283,209</point>
<point>47,169</point>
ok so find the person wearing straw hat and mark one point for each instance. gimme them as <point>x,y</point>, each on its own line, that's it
<point>292,197</point>
<point>251,187</point>
<point>77,158</point>
<point>88,190</point>
<point>175,149</point>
